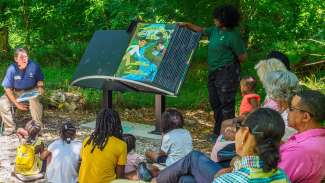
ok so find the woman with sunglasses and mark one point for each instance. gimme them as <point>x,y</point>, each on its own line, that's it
<point>257,145</point>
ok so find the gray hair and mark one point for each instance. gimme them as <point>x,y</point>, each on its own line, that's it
<point>18,50</point>
<point>264,67</point>
<point>281,85</point>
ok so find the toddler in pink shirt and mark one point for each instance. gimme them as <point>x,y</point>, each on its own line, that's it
<point>133,159</point>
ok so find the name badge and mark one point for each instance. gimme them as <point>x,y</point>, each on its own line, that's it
<point>17,77</point>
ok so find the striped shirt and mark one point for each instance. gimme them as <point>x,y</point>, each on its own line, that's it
<point>250,169</point>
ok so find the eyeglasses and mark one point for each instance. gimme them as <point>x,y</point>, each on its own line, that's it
<point>297,109</point>
<point>252,131</point>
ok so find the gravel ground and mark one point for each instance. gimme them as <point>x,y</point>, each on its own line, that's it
<point>8,146</point>
<point>198,122</point>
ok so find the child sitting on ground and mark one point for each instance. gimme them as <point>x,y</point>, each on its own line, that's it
<point>29,164</point>
<point>30,132</point>
<point>133,159</point>
<point>63,156</point>
<point>176,141</point>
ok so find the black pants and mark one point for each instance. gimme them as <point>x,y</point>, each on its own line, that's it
<point>222,86</point>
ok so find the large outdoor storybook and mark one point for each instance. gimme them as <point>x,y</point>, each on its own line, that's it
<point>152,58</point>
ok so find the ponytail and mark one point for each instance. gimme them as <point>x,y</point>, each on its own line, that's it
<point>267,127</point>
<point>268,151</point>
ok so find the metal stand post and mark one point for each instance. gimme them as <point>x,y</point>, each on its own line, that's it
<point>107,98</point>
<point>160,105</point>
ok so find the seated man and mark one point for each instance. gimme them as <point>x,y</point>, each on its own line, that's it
<point>303,155</point>
<point>23,75</point>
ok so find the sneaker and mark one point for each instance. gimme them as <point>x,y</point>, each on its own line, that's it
<point>143,172</point>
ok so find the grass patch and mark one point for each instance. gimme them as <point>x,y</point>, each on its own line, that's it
<point>193,94</point>
<point>314,83</point>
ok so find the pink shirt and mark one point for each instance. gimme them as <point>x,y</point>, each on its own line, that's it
<point>303,156</point>
<point>245,106</point>
<point>270,103</point>
<point>133,159</point>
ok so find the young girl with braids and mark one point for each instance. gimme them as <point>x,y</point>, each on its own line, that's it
<point>63,156</point>
<point>103,153</point>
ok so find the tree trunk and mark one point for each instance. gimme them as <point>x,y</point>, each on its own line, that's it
<point>246,14</point>
<point>4,47</point>
<point>26,14</point>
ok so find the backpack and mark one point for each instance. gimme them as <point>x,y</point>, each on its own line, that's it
<point>25,159</point>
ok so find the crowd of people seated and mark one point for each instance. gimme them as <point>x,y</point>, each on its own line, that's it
<point>279,139</point>
<point>261,153</point>
<point>275,140</point>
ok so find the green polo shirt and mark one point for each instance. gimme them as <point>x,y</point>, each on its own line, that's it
<point>222,47</point>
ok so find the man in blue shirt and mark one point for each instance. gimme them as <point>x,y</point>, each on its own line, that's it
<point>22,76</point>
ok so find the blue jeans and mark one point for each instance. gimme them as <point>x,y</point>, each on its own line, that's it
<point>194,167</point>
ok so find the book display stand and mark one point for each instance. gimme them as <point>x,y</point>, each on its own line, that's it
<point>151,58</point>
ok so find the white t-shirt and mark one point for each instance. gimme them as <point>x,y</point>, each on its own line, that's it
<point>176,144</point>
<point>64,164</point>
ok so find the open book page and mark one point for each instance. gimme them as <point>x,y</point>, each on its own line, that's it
<point>28,95</point>
<point>145,52</point>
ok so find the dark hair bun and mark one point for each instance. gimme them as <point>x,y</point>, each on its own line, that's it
<point>67,131</point>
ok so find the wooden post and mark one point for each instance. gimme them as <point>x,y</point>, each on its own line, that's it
<point>107,98</point>
<point>160,105</point>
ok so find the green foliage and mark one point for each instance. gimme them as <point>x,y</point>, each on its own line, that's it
<point>269,21</point>
<point>57,34</point>
<point>60,30</point>
<point>314,83</point>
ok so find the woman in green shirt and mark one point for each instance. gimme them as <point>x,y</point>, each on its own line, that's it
<point>225,51</point>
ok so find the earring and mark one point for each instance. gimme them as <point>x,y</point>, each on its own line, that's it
<point>242,143</point>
